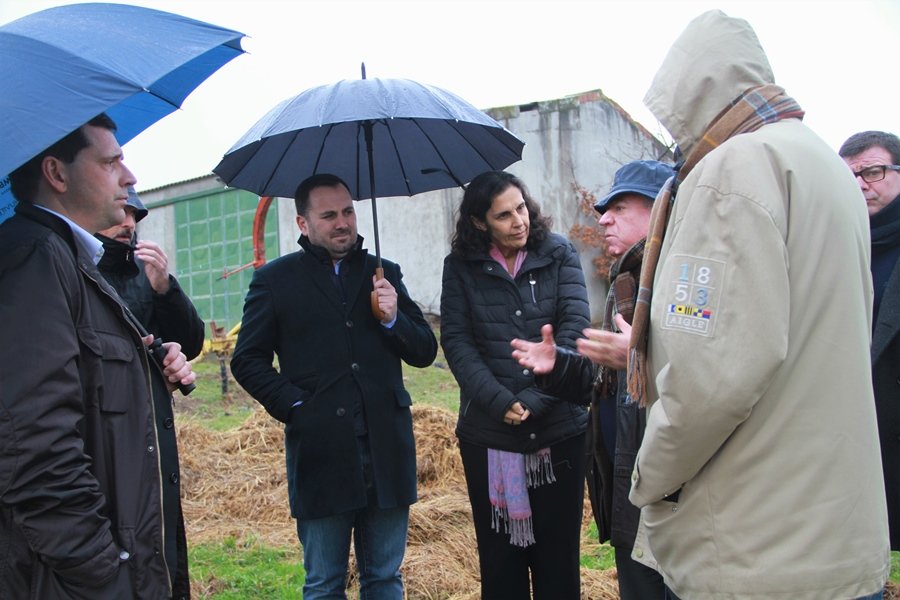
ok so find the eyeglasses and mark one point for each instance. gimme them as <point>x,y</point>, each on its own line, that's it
<point>876,173</point>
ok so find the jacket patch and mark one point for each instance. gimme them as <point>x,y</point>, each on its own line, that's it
<point>691,294</point>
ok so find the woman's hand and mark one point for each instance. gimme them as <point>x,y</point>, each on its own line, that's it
<point>537,356</point>
<point>516,414</point>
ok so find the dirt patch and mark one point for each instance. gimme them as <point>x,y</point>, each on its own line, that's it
<point>235,486</point>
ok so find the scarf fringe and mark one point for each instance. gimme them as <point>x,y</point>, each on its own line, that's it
<point>539,469</point>
<point>499,515</point>
<point>521,531</point>
<point>636,381</point>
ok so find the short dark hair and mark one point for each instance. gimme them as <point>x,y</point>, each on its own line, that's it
<point>862,141</point>
<point>301,196</point>
<point>477,201</point>
<point>23,182</point>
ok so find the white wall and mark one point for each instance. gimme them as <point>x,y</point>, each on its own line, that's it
<point>581,139</point>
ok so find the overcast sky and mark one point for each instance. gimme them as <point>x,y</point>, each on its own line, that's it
<point>838,58</point>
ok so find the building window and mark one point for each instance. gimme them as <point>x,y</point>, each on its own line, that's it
<point>214,234</point>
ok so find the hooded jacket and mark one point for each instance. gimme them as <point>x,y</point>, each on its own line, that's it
<point>759,473</point>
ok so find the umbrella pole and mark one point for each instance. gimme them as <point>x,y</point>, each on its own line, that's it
<point>379,270</point>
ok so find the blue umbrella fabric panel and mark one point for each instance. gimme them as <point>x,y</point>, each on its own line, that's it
<point>7,200</point>
<point>65,65</point>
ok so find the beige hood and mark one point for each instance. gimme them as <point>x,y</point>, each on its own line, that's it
<point>712,62</point>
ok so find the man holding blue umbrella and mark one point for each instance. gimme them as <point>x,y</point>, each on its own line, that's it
<point>89,496</point>
<point>85,511</point>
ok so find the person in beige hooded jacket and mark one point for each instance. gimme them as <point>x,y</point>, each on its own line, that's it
<point>759,474</point>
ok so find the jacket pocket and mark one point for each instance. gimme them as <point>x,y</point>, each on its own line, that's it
<point>114,374</point>
<point>404,400</point>
<point>47,583</point>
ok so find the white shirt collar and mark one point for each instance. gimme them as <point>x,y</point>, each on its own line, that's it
<point>88,243</point>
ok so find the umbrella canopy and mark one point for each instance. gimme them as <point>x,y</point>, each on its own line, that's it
<point>65,65</point>
<point>422,138</point>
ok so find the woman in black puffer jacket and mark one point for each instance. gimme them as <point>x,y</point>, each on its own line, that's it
<point>522,450</point>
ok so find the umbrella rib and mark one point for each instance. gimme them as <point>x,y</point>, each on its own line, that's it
<point>359,161</point>
<point>329,128</point>
<point>461,136</point>
<point>397,153</point>
<point>174,105</point>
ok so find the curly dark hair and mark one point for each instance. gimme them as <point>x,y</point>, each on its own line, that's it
<point>477,200</point>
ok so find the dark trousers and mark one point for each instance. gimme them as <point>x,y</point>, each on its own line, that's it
<point>637,581</point>
<point>554,559</point>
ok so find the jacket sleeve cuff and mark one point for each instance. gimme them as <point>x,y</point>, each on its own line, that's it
<point>571,378</point>
<point>281,408</point>
<point>536,402</point>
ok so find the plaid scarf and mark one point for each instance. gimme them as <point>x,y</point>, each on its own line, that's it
<point>620,299</point>
<point>751,110</point>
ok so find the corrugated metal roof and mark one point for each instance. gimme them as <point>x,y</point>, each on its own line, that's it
<point>177,183</point>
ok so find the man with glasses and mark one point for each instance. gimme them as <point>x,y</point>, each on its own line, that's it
<point>874,158</point>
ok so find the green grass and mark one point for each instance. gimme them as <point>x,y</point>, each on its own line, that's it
<point>232,571</point>
<point>207,404</point>
<point>434,385</point>
<point>602,558</point>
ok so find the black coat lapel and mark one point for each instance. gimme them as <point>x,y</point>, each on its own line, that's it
<point>315,272</point>
<point>888,315</point>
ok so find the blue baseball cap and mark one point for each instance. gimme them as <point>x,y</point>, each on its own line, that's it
<point>140,211</point>
<point>644,177</point>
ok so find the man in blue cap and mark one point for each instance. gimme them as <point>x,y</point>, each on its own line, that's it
<point>139,271</point>
<point>617,423</point>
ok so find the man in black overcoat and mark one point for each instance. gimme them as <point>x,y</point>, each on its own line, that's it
<point>339,391</point>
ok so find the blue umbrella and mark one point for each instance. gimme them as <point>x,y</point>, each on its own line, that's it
<point>395,137</point>
<point>64,65</point>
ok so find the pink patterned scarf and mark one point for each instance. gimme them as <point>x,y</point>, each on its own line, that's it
<point>510,474</point>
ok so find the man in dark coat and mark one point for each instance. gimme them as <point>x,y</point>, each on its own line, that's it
<point>874,158</point>
<point>81,509</point>
<point>350,452</point>
<point>139,270</point>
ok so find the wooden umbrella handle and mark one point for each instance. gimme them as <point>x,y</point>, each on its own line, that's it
<point>376,310</point>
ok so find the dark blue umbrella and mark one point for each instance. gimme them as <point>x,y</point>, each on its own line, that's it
<point>62,66</point>
<point>393,137</point>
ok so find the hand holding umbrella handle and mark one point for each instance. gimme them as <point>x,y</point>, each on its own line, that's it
<point>376,310</point>
<point>159,353</point>
<point>155,350</point>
